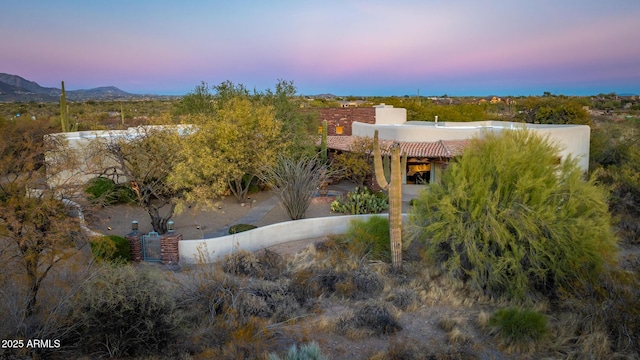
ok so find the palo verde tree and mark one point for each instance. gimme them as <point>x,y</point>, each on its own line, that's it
<point>299,129</point>
<point>36,232</point>
<point>227,149</point>
<point>146,159</point>
<point>513,220</point>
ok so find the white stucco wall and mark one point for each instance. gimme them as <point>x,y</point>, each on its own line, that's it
<point>214,249</point>
<point>387,114</point>
<point>571,139</point>
<point>89,163</point>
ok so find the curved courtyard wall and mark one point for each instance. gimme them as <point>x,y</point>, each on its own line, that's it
<point>214,249</point>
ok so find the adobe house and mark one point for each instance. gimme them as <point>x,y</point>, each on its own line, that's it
<point>430,145</point>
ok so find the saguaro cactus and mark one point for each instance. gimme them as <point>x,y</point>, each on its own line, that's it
<point>323,144</point>
<point>394,187</point>
<point>64,113</point>
<point>64,110</point>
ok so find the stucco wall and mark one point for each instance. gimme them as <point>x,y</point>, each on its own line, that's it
<point>215,249</point>
<point>386,114</point>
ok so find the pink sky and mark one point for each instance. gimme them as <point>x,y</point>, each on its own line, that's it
<point>343,47</point>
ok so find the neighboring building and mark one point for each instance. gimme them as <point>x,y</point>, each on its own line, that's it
<point>430,145</point>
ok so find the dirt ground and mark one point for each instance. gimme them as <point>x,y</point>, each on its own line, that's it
<point>421,326</point>
<point>194,223</point>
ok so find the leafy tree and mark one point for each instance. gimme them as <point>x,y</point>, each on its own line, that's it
<point>356,164</point>
<point>200,101</point>
<point>298,129</point>
<point>512,220</point>
<point>552,110</point>
<point>146,159</point>
<point>36,233</point>
<point>227,150</point>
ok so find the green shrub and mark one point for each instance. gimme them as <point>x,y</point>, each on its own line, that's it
<point>104,191</point>
<point>309,351</point>
<point>238,228</point>
<point>513,219</point>
<point>519,326</point>
<point>361,201</point>
<point>123,311</point>
<point>113,248</point>
<point>371,236</point>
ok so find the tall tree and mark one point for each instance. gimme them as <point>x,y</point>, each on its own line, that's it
<point>146,159</point>
<point>227,150</point>
<point>299,129</point>
<point>36,233</point>
<point>199,101</point>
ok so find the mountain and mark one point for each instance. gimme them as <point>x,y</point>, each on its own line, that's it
<point>16,88</point>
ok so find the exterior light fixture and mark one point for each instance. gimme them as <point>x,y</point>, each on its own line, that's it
<point>134,226</point>
<point>170,226</point>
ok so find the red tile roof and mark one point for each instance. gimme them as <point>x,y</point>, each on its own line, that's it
<point>437,149</point>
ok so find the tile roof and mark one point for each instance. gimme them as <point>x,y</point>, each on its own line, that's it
<point>436,149</point>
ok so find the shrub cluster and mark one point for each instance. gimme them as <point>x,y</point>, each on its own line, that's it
<point>371,236</point>
<point>519,326</point>
<point>111,248</point>
<point>238,228</point>
<point>372,318</point>
<point>104,191</point>
<point>512,220</point>
<point>123,311</point>
<point>361,201</point>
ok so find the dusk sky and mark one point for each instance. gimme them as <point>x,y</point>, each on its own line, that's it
<point>369,47</point>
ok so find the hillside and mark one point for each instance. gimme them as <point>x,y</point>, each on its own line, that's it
<point>16,88</point>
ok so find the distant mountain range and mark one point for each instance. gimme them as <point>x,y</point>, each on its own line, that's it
<point>16,88</point>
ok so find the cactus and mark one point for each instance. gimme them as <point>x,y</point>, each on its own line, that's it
<point>394,187</point>
<point>122,114</point>
<point>64,110</point>
<point>324,142</point>
<point>64,113</point>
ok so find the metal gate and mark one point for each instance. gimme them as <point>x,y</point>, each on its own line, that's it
<point>151,247</point>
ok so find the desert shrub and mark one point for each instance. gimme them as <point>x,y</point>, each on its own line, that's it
<point>611,307</point>
<point>371,236</point>
<point>309,351</point>
<point>124,311</point>
<point>242,263</point>
<point>272,264</point>
<point>270,300</point>
<point>512,220</point>
<point>104,191</point>
<point>361,201</point>
<point>519,326</point>
<point>238,228</point>
<point>369,319</point>
<point>112,248</point>
<point>366,282</point>
<point>402,297</point>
